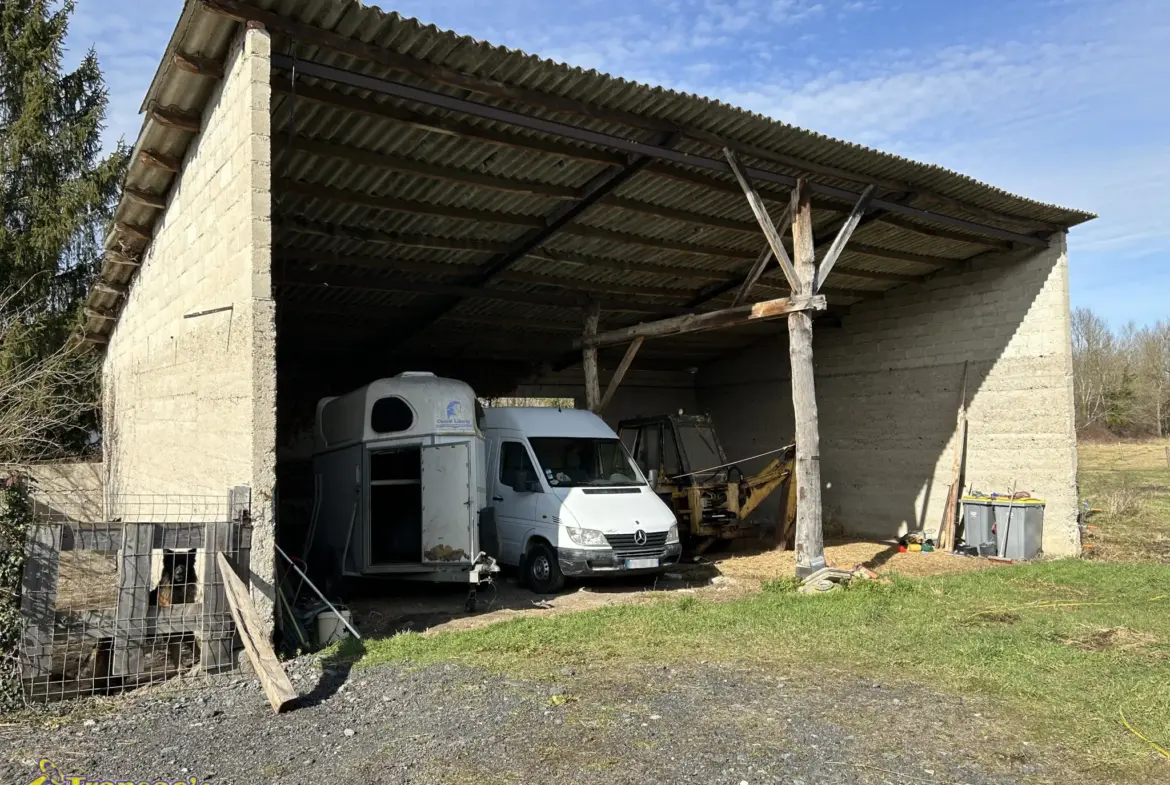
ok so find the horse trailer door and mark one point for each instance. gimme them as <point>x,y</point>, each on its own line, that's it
<point>448,505</point>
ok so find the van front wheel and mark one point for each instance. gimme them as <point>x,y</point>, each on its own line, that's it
<point>542,570</point>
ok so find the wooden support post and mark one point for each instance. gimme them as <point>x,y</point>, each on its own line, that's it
<point>272,677</point>
<point>38,599</point>
<point>133,600</point>
<point>589,358</point>
<point>215,645</point>
<point>810,545</point>
<point>620,373</point>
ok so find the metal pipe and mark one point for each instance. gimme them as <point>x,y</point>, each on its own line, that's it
<point>305,578</point>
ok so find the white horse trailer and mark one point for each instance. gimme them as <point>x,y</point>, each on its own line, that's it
<point>399,471</point>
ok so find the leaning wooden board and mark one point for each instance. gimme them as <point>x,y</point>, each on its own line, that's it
<point>276,685</point>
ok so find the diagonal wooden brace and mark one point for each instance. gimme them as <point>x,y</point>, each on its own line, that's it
<point>842,237</point>
<point>760,210</point>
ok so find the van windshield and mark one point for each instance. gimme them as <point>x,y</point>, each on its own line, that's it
<point>574,462</point>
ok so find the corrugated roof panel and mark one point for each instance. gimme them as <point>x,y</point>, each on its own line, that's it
<point>586,255</point>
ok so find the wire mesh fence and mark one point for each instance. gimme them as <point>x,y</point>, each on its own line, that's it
<point>133,600</point>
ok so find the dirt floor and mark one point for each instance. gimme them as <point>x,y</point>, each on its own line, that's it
<point>384,609</point>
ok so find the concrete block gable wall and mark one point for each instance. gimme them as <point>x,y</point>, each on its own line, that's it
<point>189,400</point>
<point>888,387</point>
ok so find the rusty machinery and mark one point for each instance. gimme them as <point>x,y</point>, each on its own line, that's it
<point>711,497</point>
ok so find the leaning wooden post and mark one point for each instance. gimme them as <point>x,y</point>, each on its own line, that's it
<point>810,543</point>
<point>589,358</point>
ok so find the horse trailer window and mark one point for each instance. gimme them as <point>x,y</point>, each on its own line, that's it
<point>391,415</point>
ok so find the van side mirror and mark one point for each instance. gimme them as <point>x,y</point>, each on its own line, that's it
<point>652,477</point>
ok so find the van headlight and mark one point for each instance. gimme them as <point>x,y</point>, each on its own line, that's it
<point>586,536</point>
<point>672,535</point>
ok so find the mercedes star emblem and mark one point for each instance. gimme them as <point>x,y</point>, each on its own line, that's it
<point>639,537</point>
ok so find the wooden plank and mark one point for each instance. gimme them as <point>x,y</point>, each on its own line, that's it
<point>167,163</point>
<point>173,117</point>
<point>760,210</point>
<point>38,599</point>
<point>272,677</point>
<point>133,600</point>
<point>216,632</point>
<point>711,320</point>
<point>194,64</point>
<point>589,357</point>
<point>843,235</point>
<point>946,533</point>
<point>94,623</point>
<point>103,536</point>
<point>810,546</point>
<point>620,372</point>
<point>156,201</point>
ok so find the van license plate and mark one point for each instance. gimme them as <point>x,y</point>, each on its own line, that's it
<point>641,564</point>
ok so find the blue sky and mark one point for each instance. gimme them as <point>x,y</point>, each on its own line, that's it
<point>1065,101</point>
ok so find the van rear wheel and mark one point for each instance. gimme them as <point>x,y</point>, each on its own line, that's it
<point>542,570</point>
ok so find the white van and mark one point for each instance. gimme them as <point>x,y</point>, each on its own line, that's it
<point>569,501</point>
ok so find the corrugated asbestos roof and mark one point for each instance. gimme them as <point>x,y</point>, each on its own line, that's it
<point>380,200</point>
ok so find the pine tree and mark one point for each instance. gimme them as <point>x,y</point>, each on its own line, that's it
<point>57,195</point>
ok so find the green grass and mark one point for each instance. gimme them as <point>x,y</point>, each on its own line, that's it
<point>1031,636</point>
<point>1130,484</point>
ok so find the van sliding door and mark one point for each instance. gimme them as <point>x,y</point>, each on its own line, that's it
<point>448,505</point>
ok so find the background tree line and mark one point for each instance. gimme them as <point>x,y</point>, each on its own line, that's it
<point>1122,377</point>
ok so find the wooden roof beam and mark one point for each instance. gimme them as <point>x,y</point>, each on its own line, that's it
<point>194,64</point>
<point>711,320</point>
<point>156,160</point>
<point>173,117</point>
<point>145,198</point>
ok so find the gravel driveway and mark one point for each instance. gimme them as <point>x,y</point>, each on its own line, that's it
<point>705,723</point>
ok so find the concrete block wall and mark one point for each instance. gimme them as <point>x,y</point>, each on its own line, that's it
<point>189,399</point>
<point>888,388</point>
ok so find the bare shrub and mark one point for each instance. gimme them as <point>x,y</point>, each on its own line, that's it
<point>43,396</point>
<point>1123,502</point>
